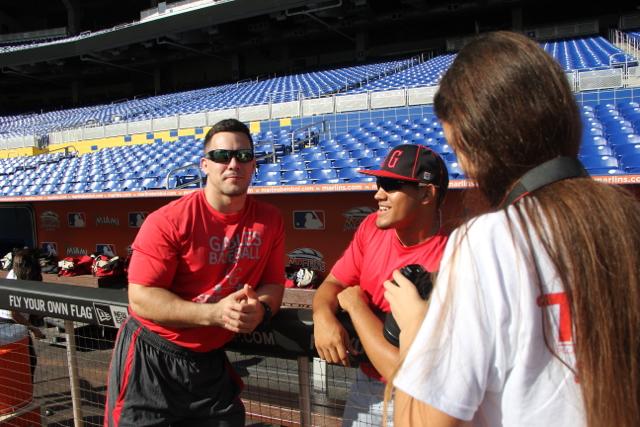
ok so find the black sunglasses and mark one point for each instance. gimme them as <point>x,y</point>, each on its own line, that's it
<point>391,184</point>
<point>225,156</point>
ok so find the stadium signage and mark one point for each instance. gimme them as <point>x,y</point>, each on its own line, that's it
<point>56,308</point>
<point>64,302</point>
<point>290,335</point>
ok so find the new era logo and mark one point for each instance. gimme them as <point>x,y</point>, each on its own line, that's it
<point>103,314</point>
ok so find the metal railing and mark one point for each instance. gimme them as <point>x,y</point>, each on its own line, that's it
<point>285,385</point>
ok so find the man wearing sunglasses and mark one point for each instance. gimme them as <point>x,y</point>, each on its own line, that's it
<point>412,182</point>
<point>204,267</point>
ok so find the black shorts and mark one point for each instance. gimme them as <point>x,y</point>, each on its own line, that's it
<point>154,382</point>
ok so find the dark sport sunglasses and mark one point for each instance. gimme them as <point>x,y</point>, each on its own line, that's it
<point>225,156</point>
<point>391,184</point>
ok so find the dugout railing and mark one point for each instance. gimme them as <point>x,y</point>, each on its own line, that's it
<point>285,383</point>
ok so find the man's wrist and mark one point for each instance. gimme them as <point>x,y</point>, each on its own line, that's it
<point>266,316</point>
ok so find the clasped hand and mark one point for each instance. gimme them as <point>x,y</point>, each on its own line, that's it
<point>241,311</point>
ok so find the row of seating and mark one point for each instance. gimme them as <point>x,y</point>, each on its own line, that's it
<point>576,54</point>
<point>276,89</point>
<point>610,145</point>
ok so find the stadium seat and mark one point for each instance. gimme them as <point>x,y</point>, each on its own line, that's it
<point>309,156</point>
<point>626,149</point>
<point>455,171</point>
<point>631,163</point>
<point>324,176</point>
<point>319,164</point>
<point>345,163</point>
<point>293,175</point>
<point>369,163</point>
<point>292,165</point>
<point>268,175</point>
<point>351,175</point>
<point>596,150</point>
<point>335,155</point>
<point>599,162</point>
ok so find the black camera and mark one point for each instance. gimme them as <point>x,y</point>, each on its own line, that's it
<point>422,281</point>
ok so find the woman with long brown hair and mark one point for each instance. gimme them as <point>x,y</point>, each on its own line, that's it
<point>535,317</point>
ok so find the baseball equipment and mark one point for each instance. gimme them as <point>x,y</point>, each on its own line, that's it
<point>422,281</point>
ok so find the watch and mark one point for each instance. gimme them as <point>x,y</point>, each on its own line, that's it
<point>266,318</point>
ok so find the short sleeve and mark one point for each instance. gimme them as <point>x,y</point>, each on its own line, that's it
<point>452,361</point>
<point>155,253</point>
<point>347,268</point>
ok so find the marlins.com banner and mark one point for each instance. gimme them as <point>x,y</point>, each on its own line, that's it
<point>318,226</point>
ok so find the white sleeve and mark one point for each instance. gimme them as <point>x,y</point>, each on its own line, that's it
<point>457,356</point>
<point>11,275</point>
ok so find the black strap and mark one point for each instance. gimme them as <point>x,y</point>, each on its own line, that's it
<point>549,172</point>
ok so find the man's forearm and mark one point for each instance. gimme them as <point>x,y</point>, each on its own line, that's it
<point>166,308</point>
<point>382,354</point>
<point>325,300</point>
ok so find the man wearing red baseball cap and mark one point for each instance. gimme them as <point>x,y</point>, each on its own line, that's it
<point>412,182</point>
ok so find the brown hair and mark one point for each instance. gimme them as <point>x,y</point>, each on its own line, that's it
<point>510,108</point>
<point>26,265</point>
<point>228,125</point>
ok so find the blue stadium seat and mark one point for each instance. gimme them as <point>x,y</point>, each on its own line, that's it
<point>623,139</point>
<point>319,164</point>
<point>268,175</point>
<point>442,149</point>
<point>272,167</point>
<point>294,175</point>
<point>324,176</point>
<point>631,163</point>
<point>266,183</point>
<point>376,145</point>
<point>292,165</point>
<point>352,175</point>
<point>596,150</point>
<point>309,156</point>
<point>599,162</point>
<point>353,146</point>
<point>627,149</point>
<point>455,171</point>
<point>361,154</point>
<point>606,171</point>
<point>369,163</point>
<point>335,155</point>
<point>96,187</point>
<point>593,140</point>
<point>345,163</point>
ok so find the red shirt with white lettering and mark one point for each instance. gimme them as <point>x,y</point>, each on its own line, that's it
<point>202,255</point>
<point>374,254</point>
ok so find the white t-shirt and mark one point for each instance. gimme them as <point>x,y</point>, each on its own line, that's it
<point>490,364</point>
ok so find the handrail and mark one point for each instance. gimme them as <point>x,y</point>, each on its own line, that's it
<point>184,184</point>
<point>308,127</point>
<point>289,336</point>
<point>66,150</point>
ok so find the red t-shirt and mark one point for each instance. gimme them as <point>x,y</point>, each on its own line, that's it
<point>202,255</point>
<point>374,254</point>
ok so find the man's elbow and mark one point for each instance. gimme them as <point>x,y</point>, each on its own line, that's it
<point>137,299</point>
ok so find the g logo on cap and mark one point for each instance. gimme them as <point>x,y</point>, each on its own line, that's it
<point>394,158</point>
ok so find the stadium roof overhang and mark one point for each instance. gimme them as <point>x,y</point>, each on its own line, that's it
<point>207,16</point>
